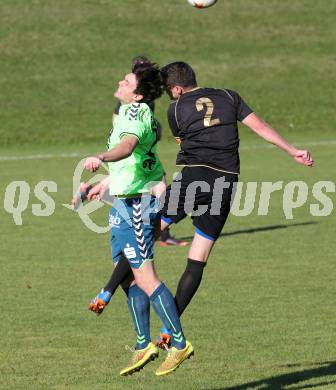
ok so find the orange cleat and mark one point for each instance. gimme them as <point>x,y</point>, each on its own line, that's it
<point>98,304</point>
<point>171,241</point>
<point>163,341</point>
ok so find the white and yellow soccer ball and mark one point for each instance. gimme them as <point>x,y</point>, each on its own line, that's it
<point>202,3</point>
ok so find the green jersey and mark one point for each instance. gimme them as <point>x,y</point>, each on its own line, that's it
<point>138,172</point>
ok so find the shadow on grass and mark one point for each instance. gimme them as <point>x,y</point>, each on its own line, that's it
<point>280,382</point>
<point>257,230</point>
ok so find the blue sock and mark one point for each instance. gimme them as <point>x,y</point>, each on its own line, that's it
<point>165,330</point>
<point>138,304</point>
<point>165,307</point>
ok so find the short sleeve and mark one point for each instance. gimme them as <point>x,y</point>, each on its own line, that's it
<point>132,123</point>
<point>242,109</point>
<point>172,120</point>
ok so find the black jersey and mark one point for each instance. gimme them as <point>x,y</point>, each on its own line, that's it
<point>205,121</point>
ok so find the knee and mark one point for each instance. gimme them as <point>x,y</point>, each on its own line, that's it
<point>145,288</point>
<point>148,285</point>
<point>141,283</point>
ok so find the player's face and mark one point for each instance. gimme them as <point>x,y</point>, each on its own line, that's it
<point>125,92</point>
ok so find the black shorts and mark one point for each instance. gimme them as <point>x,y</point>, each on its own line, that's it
<point>204,194</point>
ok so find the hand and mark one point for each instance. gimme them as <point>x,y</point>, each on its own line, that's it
<point>303,157</point>
<point>97,192</point>
<point>81,195</point>
<point>98,304</point>
<point>92,164</point>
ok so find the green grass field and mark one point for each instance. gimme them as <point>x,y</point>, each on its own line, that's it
<point>263,317</point>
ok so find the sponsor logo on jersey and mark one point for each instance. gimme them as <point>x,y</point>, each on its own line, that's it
<point>149,163</point>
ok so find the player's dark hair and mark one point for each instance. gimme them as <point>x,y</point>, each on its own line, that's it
<point>139,60</point>
<point>178,73</point>
<point>149,80</point>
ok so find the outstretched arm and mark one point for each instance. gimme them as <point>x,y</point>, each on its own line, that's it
<point>121,151</point>
<point>269,134</point>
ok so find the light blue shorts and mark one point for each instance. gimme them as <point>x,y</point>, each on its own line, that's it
<point>133,222</point>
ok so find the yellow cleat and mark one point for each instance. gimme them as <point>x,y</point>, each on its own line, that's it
<point>140,358</point>
<point>175,358</point>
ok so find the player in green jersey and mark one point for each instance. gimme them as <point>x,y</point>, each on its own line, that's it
<point>133,170</point>
<point>166,238</point>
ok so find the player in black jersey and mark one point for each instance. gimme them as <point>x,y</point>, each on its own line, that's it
<point>204,123</point>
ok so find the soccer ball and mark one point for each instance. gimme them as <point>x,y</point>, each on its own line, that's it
<point>202,3</point>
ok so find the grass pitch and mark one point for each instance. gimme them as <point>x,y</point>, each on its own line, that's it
<point>263,317</point>
<point>61,60</point>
